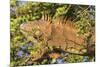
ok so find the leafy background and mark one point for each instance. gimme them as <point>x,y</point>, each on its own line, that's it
<point>24,11</point>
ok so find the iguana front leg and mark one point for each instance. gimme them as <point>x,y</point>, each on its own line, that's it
<point>39,50</point>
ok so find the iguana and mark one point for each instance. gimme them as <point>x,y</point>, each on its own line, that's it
<point>58,34</point>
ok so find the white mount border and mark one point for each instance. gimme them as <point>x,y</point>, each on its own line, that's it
<point>83,2</point>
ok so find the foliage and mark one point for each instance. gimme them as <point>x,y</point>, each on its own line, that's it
<point>86,20</point>
<point>21,48</point>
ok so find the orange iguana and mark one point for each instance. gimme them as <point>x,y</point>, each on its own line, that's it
<point>55,34</point>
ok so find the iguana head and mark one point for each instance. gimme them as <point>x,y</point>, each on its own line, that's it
<point>36,29</point>
<point>30,30</point>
